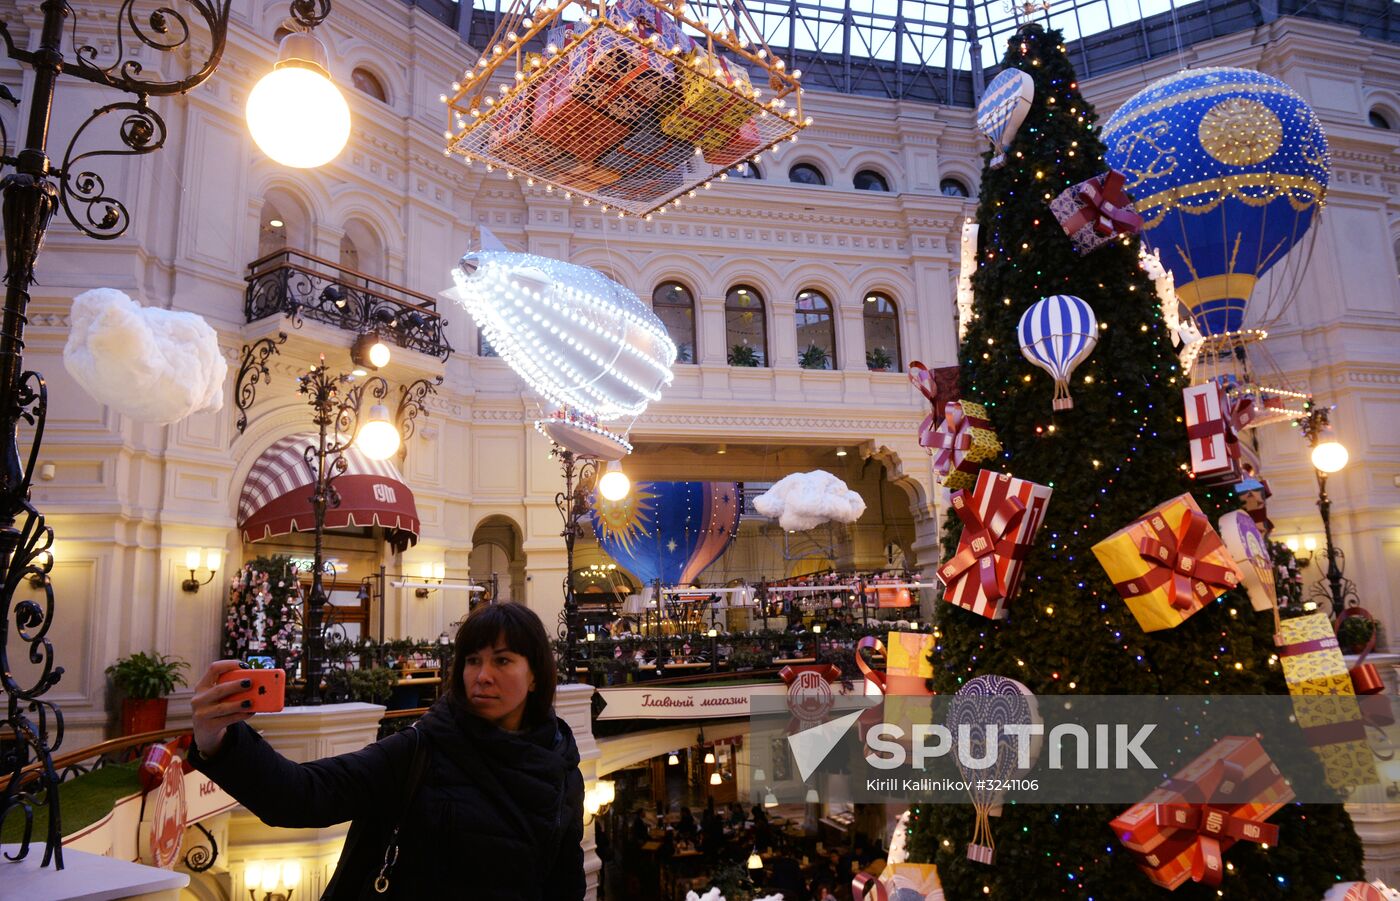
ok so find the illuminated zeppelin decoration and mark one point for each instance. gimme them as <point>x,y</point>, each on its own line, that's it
<point>669,531</point>
<point>1228,168</point>
<point>585,343</point>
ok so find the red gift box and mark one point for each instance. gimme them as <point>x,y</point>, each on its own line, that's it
<point>1000,520</point>
<point>648,155</point>
<point>739,145</point>
<point>1212,421</point>
<point>572,125</point>
<point>1093,212</point>
<point>649,20</point>
<point>1184,827</point>
<point>940,386</point>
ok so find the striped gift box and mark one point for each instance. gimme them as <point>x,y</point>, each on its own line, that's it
<point>1000,520</point>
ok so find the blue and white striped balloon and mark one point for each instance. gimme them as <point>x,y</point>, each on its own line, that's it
<point>1057,334</point>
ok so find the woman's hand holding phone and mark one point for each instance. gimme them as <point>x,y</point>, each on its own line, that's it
<point>227,694</point>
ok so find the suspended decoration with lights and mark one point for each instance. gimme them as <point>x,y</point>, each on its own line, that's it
<point>585,343</point>
<point>1229,169</point>
<point>631,104</point>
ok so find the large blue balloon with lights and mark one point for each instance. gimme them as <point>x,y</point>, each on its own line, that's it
<point>668,531</point>
<point>1228,168</point>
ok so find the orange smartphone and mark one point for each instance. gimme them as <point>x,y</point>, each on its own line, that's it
<point>268,692</point>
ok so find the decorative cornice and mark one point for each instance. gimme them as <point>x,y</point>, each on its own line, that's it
<point>761,424</point>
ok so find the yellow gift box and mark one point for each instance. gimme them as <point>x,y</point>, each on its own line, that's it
<point>1324,701</point>
<point>907,663</point>
<point>712,106</point>
<point>1168,564</point>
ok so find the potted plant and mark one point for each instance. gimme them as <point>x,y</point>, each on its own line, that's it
<point>814,357</point>
<point>1355,631</point>
<point>743,355</point>
<point>877,359</point>
<point>145,681</point>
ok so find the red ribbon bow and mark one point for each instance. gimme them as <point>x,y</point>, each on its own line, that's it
<point>952,437</point>
<point>1213,823</point>
<point>940,386</point>
<point>1178,561</point>
<point>1108,204</point>
<point>865,886</point>
<point>981,541</point>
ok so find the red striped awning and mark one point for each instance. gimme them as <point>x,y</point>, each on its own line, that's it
<point>276,497</point>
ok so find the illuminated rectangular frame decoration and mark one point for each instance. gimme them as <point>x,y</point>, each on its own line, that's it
<point>493,125</point>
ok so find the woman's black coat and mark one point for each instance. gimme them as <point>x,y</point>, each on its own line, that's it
<point>498,816</point>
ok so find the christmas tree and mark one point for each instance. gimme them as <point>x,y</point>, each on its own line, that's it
<point>1119,451</point>
<point>264,612</point>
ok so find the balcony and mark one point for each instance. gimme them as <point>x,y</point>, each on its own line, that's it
<point>296,284</point>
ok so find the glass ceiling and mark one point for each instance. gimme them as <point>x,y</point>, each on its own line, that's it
<point>941,50</point>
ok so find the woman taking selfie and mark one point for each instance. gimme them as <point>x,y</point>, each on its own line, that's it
<point>481,799</point>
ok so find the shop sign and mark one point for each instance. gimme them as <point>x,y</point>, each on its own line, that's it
<point>643,702</point>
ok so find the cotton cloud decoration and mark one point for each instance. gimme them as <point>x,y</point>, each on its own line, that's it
<point>150,364</point>
<point>805,500</point>
<point>714,895</point>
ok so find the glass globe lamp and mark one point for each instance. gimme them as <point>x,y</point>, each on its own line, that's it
<point>378,438</point>
<point>296,114</point>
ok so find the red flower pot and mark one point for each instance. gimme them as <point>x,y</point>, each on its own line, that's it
<point>143,715</point>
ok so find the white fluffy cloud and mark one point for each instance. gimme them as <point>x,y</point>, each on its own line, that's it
<point>805,500</point>
<point>150,364</point>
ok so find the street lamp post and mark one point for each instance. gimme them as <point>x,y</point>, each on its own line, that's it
<point>1328,456</point>
<point>581,475</point>
<point>32,194</point>
<point>336,402</point>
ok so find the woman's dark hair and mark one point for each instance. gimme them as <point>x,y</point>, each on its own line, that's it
<point>522,632</point>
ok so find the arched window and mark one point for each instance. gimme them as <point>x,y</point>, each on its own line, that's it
<point>747,169</point>
<point>366,82</point>
<point>283,222</point>
<point>881,334</point>
<point>806,174</point>
<point>870,180</point>
<point>952,187</point>
<point>1378,119</point>
<point>361,251</point>
<point>816,331</point>
<point>349,254</point>
<point>745,328</point>
<point>675,307</point>
<point>272,230</point>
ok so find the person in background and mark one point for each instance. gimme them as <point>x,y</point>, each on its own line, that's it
<point>496,810</point>
<point>687,828</point>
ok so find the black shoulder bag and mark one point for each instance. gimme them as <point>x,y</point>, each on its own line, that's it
<point>415,778</point>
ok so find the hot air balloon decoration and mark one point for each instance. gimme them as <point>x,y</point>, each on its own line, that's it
<point>668,531</point>
<point>984,707</point>
<point>1229,169</point>
<point>1002,110</point>
<point>1057,334</point>
<point>588,345</point>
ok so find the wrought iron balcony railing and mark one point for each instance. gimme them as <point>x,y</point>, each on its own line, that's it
<point>296,284</point>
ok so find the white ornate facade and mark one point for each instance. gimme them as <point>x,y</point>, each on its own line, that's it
<point>128,499</point>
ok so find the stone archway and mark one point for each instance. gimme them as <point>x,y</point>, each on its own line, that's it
<point>497,550</point>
